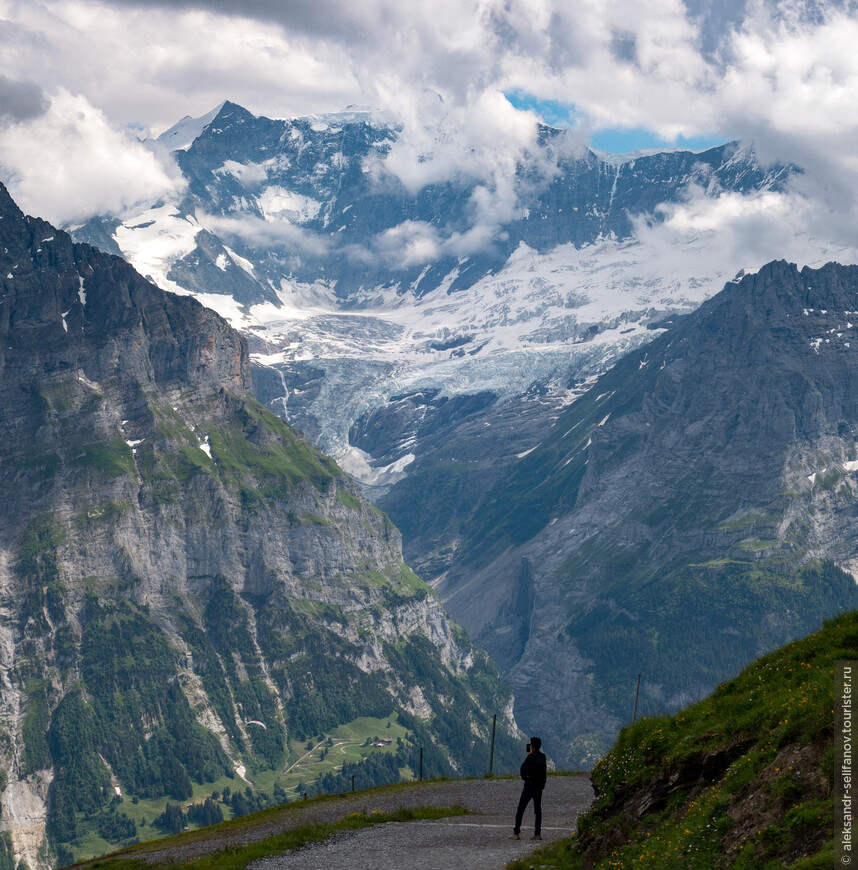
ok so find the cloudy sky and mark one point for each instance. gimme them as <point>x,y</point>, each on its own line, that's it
<point>82,80</point>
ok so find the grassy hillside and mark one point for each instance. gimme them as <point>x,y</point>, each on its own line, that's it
<point>741,780</point>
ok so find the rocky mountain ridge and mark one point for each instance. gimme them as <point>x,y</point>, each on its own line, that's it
<point>692,510</point>
<point>188,589</point>
<point>356,291</point>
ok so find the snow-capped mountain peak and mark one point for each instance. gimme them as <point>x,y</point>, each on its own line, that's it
<point>353,293</point>
<point>182,134</point>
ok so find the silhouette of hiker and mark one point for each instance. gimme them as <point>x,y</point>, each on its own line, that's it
<point>534,772</point>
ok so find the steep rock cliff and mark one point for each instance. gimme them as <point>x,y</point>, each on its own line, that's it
<point>186,586</point>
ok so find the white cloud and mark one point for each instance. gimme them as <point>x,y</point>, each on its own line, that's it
<point>783,74</point>
<point>275,234</point>
<point>478,144</point>
<point>738,231</point>
<point>800,81</point>
<point>410,243</point>
<point>154,65</point>
<point>250,175</point>
<point>70,163</point>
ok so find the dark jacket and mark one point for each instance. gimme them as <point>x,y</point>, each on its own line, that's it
<point>534,771</point>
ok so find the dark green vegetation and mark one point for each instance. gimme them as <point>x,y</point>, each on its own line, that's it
<point>7,855</point>
<point>740,780</point>
<point>127,668</point>
<point>174,819</point>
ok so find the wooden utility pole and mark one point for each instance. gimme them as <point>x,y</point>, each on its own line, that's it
<point>492,753</point>
<point>635,710</point>
<point>421,764</point>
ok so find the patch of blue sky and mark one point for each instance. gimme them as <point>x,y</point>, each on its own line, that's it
<point>550,112</point>
<point>619,141</point>
<point>616,140</point>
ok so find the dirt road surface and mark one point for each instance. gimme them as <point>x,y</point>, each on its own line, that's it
<point>475,842</point>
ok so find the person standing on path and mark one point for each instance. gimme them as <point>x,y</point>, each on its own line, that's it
<point>534,772</point>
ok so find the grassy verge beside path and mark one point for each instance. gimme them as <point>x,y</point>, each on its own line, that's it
<point>237,857</point>
<point>235,843</point>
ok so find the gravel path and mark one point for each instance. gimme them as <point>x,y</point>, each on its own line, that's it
<point>476,842</point>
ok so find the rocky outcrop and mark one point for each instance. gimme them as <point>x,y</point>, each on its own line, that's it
<point>186,585</point>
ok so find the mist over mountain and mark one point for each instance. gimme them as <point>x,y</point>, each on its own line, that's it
<point>370,303</point>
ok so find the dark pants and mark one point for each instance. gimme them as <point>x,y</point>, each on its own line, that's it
<point>528,795</point>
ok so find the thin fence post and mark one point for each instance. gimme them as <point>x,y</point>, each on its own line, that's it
<point>353,782</point>
<point>421,764</point>
<point>492,753</point>
<point>635,710</point>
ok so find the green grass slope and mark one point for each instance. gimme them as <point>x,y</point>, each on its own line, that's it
<point>236,843</point>
<point>744,779</point>
<point>239,857</point>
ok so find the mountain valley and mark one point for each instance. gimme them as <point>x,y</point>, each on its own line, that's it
<point>471,396</point>
<point>385,387</point>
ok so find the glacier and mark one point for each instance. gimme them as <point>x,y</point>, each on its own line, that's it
<point>285,226</point>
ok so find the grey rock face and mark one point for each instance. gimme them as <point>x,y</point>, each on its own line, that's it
<point>177,565</point>
<point>683,516</point>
